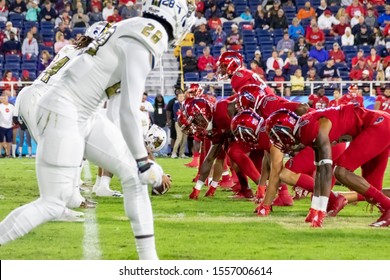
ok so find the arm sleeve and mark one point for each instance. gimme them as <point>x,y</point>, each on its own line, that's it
<point>134,73</point>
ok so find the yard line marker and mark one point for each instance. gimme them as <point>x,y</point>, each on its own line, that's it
<point>91,246</point>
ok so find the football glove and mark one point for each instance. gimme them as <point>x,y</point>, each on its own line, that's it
<point>150,173</point>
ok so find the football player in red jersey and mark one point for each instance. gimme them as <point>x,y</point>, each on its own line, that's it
<point>382,102</point>
<point>216,121</point>
<point>230,66</point>
<point>249,132</point>
<point>353,96</point>
<point>319,100</point>
<point>320,130</point>
<point>336,101</point>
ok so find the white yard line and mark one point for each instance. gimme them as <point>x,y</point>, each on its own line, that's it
<point>91,246</point>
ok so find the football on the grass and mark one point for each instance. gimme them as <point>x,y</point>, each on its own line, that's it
<point>160,190</point>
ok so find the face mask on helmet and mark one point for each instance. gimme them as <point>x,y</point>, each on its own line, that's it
<point>246,126</point>
<point>156,138</point>
<point>194,90</point>
<point>228,63</point>
<point>281,127</point>
<point>199,112</point>
<point>179,14</point>
<point>96,29</point>
<point>249,97</point>
<point>353,90</point>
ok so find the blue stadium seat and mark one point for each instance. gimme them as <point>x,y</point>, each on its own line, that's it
<point>240,8</point>
<point>47,25</point>
<point>1,58</point>
<point>78,30</point>
<point>47,48</point>
<point>30,66</point>
<point>334,9</point>
<point>12,66</point>
<point>12,58</point>
<point>227,25</point>
<point>349,49</point>
<point>380,9</point>
<point>32,58</point>
<point>191,77</point>
<point>216,50</point>
<point>365,48</point>
<point>227,88</point>
<point>184,50</point>
<point>16,17</point>
<point>29,24</point>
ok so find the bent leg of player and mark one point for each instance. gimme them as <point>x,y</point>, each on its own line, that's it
<point>106,148</point>
<point>59,154</point>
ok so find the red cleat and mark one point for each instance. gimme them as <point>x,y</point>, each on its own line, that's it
<point>226,182</point>
<point>336,205</point>
<point>260,193</point>
<point>283,200</point>
<point>195,194</point>
<point>263,210</point>
<point>299,193</point>
<point>245,194</point>
<point>383,221</point>
<point>236,188</point>
<point>194,162</point>
<point>310,216</point>
<point>210,192</point>
<point>318,219</point>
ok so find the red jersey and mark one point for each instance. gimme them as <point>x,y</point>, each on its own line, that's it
<point>349,99</point>
<point>319,102</point>
<point>221,123</point>
<point>271,103</point>
<point>346,120</point>
<point>385,103</point>
<point>244,77</point>
<point>334,103</point>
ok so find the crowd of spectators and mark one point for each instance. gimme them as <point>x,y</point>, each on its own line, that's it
<point>294,41</point>
<point>33,31</point>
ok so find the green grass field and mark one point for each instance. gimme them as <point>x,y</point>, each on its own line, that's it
<point>210,228</point>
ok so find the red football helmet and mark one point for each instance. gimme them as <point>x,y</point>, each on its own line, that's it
<point>246,126</point>
<point>228,63</point>
<point>281,127</point>
<point>353,90</point>
<point>199,112</point>
<point>194,90</point>
<point>185,126</point>
<point>249,97</point>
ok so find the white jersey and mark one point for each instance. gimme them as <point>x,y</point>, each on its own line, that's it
<point>6,114</point>
<point>97,73</point>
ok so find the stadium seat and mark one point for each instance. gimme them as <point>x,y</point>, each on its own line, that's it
<point>1,58</point>
<point>30,66</point>
<point>184,50</point>
<point>47,48</point>
<point>334,9</point>
<point>349,49</point>
<point>12,66</point>
<point>365,48</point>
<point>46,25</point>
<point>216,50</point>
<point>12,58</point>
<point>191,77</point>
<point>29,24</point>
<point>240,8</point>
<point>227,90</point>
<point>29,58</point>
<point>78,30</point>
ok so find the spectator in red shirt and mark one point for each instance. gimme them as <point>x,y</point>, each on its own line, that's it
<point>357,71</point>
<point>336,101</point>
<point>96,3</point>
<point>359,55</point>
<point>339,29</point>
<point>315,36</point>
<point>373,60</point>
<point>279,77</point>
<point>257,69</point>
<point>115,17</point>
<point>337,54</point>
<point>214,22</point>
<point>8,77</point>
<point>206,62</point>
<point>199,6</point>
<point>355,6</point>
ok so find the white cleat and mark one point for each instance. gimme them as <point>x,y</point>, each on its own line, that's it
<point>103,192</point>
<point>71,216</point>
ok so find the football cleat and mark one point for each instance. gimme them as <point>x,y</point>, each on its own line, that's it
<point>70,216</point>
<point>283,200</point>
<point>318,220</point>
<point>299,193</point>
<point>88,204</point>
<point>195,194</point>
<point>226,182</point>
<point>310,216</point>
<point>336,205</point>
<point>243,194</point>
<point>260,193</point>
<point>383,221</point>
<point>103,192</point>
<point>263,210</point>
<point>210,192</point>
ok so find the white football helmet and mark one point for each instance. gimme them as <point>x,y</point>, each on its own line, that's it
<point>155,138</point>
<point>180,14</point>
<point>96,29</point>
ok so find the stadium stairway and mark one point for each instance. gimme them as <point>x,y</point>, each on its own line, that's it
<point>169,64</point>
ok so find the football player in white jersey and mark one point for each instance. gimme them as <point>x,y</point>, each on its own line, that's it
<point>121,57</point>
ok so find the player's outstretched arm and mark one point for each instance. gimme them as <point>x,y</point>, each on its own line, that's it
<point>276,163</point>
